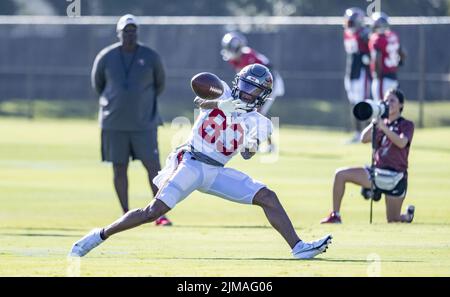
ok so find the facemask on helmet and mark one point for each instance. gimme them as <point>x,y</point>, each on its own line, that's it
<point>252,85</point>
<point>232,43</point>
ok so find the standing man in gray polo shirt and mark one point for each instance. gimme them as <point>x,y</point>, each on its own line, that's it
<point>129,77</point>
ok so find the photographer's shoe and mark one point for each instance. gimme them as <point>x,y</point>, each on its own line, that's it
<point>333,218</point>
<point>410,213</point>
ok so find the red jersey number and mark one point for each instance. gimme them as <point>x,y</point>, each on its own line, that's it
<point>216,130</point>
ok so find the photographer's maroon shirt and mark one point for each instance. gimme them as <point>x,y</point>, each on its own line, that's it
<point>390,156</point>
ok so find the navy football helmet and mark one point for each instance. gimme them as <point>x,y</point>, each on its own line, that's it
<point>252,85</point>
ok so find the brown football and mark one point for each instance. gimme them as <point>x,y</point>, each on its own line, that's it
<point>207,85</point>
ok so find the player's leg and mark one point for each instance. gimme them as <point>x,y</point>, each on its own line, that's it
<point>356,93</point>
<point>186,178</point>
<point>136,217</point>
<point>377,89</point>
<point>236,186</point>
<point>355,175</point>
<point>276,215</point>
<point>129,220</point>
<point>278,218</point>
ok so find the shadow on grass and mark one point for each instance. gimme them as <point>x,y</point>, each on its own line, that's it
<point>38,235</point>
<point>220,227</point>
<point>363,261</point>
<point>42,229</point>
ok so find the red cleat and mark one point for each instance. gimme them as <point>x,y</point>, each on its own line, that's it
<point>163,221</point>
<point>332,218</point>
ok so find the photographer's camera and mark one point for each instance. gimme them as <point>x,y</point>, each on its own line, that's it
<point>367,109</point>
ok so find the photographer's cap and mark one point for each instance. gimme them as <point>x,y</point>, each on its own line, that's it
<point>125,20</point>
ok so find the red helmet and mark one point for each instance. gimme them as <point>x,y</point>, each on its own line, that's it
<point>252,85</point>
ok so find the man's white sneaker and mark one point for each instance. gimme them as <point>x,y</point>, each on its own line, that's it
<point>305,250</point>
<point>86,244</point>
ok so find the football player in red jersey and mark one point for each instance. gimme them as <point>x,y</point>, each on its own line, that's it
<point>357,75</point>
<point>238,54</point>
<point>386,55</point>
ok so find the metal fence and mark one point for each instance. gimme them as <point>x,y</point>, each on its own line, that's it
<point>51,57</point>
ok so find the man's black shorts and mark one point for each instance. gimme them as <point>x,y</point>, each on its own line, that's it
<point>119,146</point>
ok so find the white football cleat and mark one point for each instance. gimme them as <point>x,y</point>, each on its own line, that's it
<point>86,244</point>
<point>305,250</point>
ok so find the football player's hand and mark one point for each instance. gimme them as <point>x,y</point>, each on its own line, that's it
<point>227,105</point>
<point>247,154</point>
<point>251,144</point>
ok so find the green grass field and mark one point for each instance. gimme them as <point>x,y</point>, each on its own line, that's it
<point>53,189</point>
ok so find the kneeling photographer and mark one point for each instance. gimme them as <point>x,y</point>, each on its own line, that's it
<point>393,136</point>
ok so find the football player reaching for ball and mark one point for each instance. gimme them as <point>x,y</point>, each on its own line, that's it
<point>225,126</point>
<point>238,54</point>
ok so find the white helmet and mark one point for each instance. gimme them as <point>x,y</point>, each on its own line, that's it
<point>232,43</point>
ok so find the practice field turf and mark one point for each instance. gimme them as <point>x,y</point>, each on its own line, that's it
<point>53,189</point>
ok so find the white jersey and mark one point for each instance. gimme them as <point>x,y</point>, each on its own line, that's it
<point>220,136</point>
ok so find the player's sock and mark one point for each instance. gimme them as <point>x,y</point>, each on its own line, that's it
<point>297,247</point>
<point>102,234</point>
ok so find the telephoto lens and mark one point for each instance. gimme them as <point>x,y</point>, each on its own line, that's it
<point>367,109</point>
